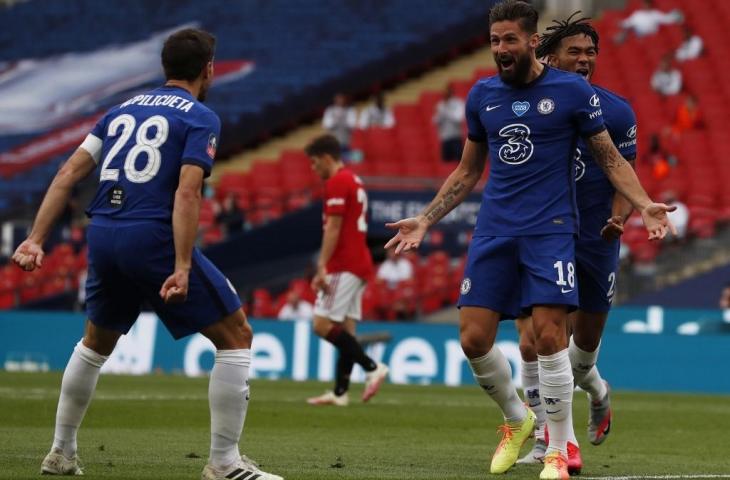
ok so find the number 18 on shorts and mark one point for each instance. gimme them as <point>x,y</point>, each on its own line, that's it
<point>511,274</point>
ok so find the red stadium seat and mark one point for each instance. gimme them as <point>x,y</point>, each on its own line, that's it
<point>303,287</point>
<point>7,291</point>
<point>262,306</point>
<point>212,235</point>
<point>207,216</point>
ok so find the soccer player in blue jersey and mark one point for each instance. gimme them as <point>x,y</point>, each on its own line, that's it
<point>572,45</point>
<point>522,256</point>
<point>153,152</point>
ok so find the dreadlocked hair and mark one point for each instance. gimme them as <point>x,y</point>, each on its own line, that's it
<point>554,34</point>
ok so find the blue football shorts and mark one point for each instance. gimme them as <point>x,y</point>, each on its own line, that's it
<point>511,274</point>
<point>128,263</point>
<point>597,262</point>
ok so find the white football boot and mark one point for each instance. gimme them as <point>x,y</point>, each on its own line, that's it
<point>56,463</point>
<point>243,469</point>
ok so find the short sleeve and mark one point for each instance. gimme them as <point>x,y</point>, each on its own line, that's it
<point>201,141</point>
<point>94,141</point>
<point>335,196</point>
<point>587,109</point>
<point>100,127</point>
<point>625,134</point>
<point>475,128</point>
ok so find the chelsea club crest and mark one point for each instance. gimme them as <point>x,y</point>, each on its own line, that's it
<point>546,106</point>
<point>465,286</point>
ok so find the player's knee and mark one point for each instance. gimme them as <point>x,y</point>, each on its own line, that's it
<point>245,332</point>
<point>231,333</point>
<point>550,342</point>
<point>527,349</point>
<point>587,339</point>
<point>101,341</point>
<point>321,326</point>
<point>473,344</point>
<point>588,345</point>
<point>101,346</point>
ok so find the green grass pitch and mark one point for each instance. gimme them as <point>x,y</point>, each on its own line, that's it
<point>156,427</point>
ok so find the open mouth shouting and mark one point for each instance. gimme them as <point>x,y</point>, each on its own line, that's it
<point>506,62</point>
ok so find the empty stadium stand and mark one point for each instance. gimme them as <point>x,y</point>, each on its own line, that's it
<point>300,53</point>
<point>268,190</point>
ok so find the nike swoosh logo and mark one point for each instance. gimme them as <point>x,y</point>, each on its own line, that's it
<point>549,412</point>
<point>492,107</point>
<point>562,290</point>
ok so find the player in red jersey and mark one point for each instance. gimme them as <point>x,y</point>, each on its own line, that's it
<point>343,269</point>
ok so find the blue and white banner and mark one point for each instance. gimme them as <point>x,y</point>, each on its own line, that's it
<point>59,99</point>
<point>38,94</point>
<point>650,349</point>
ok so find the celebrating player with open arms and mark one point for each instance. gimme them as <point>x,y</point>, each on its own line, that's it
<point>572,45</point>
<point>153,152</point>
<point>529,118</point>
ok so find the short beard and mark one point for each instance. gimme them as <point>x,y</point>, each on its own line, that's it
<point>518,76</point>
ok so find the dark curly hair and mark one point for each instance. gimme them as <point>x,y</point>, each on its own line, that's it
<point>554,34</point>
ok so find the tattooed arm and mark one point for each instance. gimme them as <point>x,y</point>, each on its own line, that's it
<point>620,212</point>
<point>454,190</point>
<point>617,169</point>
<point>459,184</point>
<point>621,206</point>
<point>624,179</point>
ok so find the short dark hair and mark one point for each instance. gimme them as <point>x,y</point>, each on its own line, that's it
<point>554,34</point>
<point>186,53</point>
<point>324,145</point>
<point>515,10</point>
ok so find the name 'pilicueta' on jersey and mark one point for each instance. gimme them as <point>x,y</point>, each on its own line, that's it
<point>532,132</point>
<point>140,147</point>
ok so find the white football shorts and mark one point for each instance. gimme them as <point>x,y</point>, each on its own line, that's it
<point>344,298</point>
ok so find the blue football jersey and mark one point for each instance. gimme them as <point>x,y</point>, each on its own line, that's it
<point>593,187</point>
<point>532,132</point>
<point>143,144</point>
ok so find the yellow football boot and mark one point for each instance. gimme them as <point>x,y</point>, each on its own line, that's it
<point>514,436</point>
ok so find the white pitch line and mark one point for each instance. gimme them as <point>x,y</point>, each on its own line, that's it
<point>657,477</point>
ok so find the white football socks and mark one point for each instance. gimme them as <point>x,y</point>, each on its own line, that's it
<point>77,388</point>
<point>228,393</point>
<point>494,374</point>
<point>531,389</point>
<point>556,389</point>
<point>585,371</point>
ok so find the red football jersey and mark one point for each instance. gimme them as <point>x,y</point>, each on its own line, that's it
<point>344,195</point>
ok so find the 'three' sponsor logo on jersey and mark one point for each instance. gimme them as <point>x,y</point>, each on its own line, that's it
<point>518,148</point>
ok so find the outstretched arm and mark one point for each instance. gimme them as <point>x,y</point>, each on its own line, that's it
<point>624,179</point>
<point>454,190</point>
<point>459,184</point>
<point>617,169</point>
<point>620,212</point>
<point>29,254</point>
